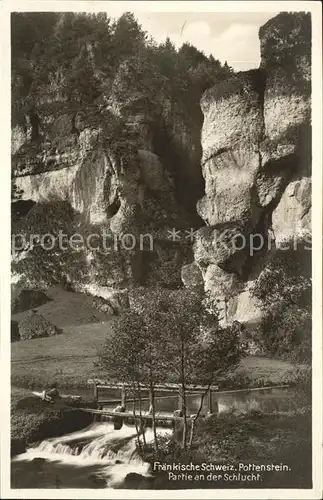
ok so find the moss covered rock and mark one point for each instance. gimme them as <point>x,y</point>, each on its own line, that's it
<point>27,299</point>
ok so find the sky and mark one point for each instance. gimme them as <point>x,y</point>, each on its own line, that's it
<point>228,36</point>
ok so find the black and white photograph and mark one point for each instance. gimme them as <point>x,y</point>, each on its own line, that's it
<point>164,301</point>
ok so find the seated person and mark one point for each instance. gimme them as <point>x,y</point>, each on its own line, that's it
<point>52,394</point>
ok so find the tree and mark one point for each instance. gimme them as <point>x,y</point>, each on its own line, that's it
<point>66,62</point>
<point>169,337</point>
<point>122,354</point>
<point>191,55</point>
<point>199,349</point>
<point>219,350</point>
<point>37,233</point>
<point>128,36</point>
<point>133,353</point>
<point>286,332</point>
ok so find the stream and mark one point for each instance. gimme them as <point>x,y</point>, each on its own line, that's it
<point>101,457</point>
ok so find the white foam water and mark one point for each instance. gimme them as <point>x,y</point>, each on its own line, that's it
<point>99,444</point>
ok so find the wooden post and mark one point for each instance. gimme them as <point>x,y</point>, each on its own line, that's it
<point>180,400</point>
<point>225,310</point>
<point>95,392</point>
<point>123,396</point>
<point>210,401</point>
<point>151,400</point>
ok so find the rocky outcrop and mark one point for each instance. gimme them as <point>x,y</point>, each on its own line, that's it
<point>232,130</point>
<point>256,166</point>
<point>121,145</point>
<point>291,219</point>
<point>118,188</point>
<point>27,299</point>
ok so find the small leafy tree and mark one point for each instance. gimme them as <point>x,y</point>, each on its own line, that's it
<point>199,349</point>
<point>215,352</point>
<point>122,355</point>
<point>287,333</point>
<point>286,279</point>
<point>134,354</point>
<point>170,337</point>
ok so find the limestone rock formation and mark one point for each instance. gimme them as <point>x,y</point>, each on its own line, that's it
<point>256,165</point>
<point>236,168</point>
<point>120,189</point>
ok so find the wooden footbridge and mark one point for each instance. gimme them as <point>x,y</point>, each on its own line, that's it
<point>124,389</point>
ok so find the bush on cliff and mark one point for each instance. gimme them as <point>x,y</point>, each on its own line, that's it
<point>284,293</point>
<point>287,333</point>
<point>49,259</point>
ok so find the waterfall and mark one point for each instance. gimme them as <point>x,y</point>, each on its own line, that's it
<point>100,444</point>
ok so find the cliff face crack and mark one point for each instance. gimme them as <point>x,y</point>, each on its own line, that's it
<point>260,84</point>
<point>113,208</point>
<point>215,155</point>
<point>306,211</point>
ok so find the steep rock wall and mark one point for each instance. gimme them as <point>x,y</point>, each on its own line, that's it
<point>256,166</point>
<point>124,188</point>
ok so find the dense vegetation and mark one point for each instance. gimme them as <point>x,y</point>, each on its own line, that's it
<point>284,291</point>
<point>251,437</point>
<point>37,232</point>
<point>73,59</point>
<point>32,420</point>
<point>73,71</point>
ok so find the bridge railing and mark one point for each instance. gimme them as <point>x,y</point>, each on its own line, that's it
<point>123,387</point>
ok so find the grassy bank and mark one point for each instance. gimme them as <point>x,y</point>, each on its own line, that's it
<point>70,358</point>
<point>67,358</point>
<point>66,308</point>
<point>259,371</point>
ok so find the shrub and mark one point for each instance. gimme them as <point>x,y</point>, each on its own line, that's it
<point>34,326</point>
<point>252,437</point>
<point>283,290</point>
<point>287,333</point>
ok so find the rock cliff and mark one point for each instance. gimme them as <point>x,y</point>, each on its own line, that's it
<point>235,167</point>
<point>125,172</point>
<point>256,164</point>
